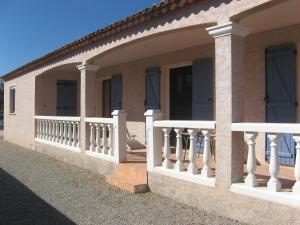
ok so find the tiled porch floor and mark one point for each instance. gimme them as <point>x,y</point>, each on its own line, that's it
<point>286,174</point>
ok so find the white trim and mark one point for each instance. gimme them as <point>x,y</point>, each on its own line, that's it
<point>185,124</point>
<point>267,127</point>
<point>58,145</point>
<point>99,120</point>
<point>197,178</point>
<point>229,28</point>
<point>88,67</point>
<point>285,198</point>
<point>59,118</point>
<point>101,156</point>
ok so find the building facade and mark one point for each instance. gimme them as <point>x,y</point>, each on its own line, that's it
<point>185,78</point>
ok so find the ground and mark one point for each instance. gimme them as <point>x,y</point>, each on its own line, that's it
<point>36,189</point>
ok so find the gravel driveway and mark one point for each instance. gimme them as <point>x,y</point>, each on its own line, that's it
<point>36,189</point>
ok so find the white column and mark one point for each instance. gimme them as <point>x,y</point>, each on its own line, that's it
<point>57,132</point>
<point>92,137</point>
<point>296,187</point>
<point>110,135</point>
<point>98,137</point>
<point>65,133</point>
<point>87,100</point>
<point>154,140</point>
<point>167,163</point>
<point>229,104</point>
<point>104,139</point>
<point>274,184</point>
<point>192,169</point>
<point>179,151</point>
<point>120,151</point>
<point>206,170</point>
<point>251,179</point>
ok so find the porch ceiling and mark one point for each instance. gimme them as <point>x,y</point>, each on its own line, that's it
<point>280,15</point>
<point>160,44</point>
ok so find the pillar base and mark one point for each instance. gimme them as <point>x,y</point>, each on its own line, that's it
<point>167,164</point>
<point>206,172</point>
<point>274,185</point>
<point>296,188</point>
<point>251,182</point>
<point>179,166</point>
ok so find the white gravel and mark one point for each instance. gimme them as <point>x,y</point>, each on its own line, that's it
<point>36,189</point>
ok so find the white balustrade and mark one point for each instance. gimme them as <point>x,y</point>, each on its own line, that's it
<point>58,131</point>
<point>186,132</point>
<point>272,191</point>
<point>107,137</point>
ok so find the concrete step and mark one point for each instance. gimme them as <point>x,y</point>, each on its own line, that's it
<point>131,177</point>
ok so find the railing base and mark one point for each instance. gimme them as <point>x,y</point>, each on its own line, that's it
<point>285,198</point>
<point>195,178</point>
<point>66,147</point>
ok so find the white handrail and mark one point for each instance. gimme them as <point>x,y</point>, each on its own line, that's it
<point>99,120</point>
<point>185,124</point>
<point>59,118</point>
<point>267,127</point>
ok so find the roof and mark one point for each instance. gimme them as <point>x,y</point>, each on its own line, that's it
<point>159,9</point>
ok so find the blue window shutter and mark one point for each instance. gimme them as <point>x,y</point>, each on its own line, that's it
<point>281,96</point>
<point>116,92</point>
<point>202,103</point>
<point>152,90</point>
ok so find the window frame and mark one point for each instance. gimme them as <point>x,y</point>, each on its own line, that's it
<point>12,101</point>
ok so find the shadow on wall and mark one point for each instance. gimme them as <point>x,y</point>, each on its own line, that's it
<point>20,206</point>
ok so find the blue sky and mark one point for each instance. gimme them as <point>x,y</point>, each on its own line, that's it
<point>32,28</point>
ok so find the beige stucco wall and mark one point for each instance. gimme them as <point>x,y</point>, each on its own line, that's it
<point>19,127</point>
<point>46,91</point>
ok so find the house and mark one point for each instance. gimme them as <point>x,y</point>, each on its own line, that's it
<point>221,72</point>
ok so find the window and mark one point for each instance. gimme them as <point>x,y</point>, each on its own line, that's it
<point>12,99</point>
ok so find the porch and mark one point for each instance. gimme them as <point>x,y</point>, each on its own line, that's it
<point>167,95</point>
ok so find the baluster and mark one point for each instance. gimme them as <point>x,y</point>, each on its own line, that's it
<point>46,130</point>
<point>98,138</point>
<point>69,133</point>
<point>251,179</point>
<point>206,171</point>
<point>167,163</point>
<point>61,132</point>
<point>274,184</point>
<point>296,187</point>
<point>37,128</point>
<point>43,129</point>
<point>74,134</point>
<point>110,135</point>
<point>78,134</point>
<point>179,151</point>
<point>192,169</point>
<point>49,130</point>
<point>104,139</point>
<point>53,130</point>
<point>65,135</point>
<point>92,137</point>
<point>57,132</point>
